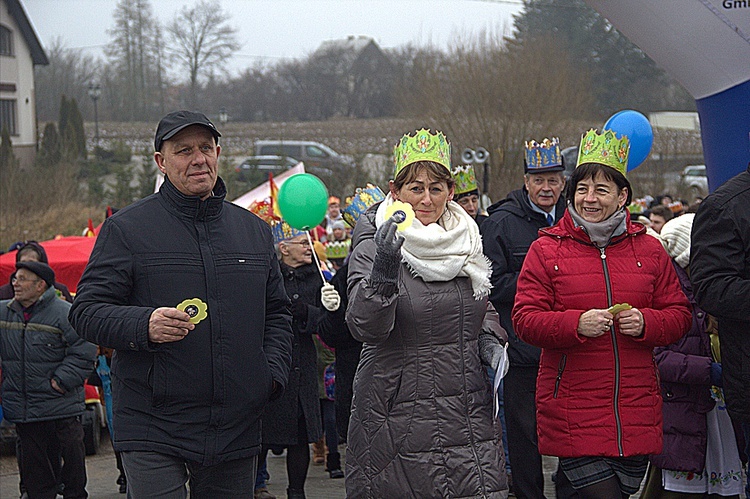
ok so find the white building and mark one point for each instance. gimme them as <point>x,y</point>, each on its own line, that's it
<point>20,50</point>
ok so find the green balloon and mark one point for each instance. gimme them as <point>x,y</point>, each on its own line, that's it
<point>303,201</point>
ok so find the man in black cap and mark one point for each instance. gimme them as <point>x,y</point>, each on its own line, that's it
<point>187,289</point>
<point>44,366</point>
<point>512,226</point>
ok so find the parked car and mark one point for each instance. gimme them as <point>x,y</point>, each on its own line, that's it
<point>256,168</point>
<point>317,157</point>
<point>694,180</point>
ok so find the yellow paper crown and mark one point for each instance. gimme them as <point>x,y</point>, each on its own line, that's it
<point>605,149</point>
<point>422,146</point>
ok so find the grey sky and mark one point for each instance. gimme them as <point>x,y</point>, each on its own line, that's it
<point>272,29</point>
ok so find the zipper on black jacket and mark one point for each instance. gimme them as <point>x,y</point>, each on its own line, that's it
<point>560,369</point>
<point>618,421</point>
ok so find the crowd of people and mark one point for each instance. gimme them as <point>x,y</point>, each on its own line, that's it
<point>446,346</point>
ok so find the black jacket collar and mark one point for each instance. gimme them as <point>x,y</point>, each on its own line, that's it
<point>192,206</point>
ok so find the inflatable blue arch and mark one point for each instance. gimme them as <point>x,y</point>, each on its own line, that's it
<point>705,45</point>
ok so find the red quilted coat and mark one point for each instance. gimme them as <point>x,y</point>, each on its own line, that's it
<point>598,396</point>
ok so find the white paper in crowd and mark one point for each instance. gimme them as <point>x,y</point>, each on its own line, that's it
<point>502,370</point>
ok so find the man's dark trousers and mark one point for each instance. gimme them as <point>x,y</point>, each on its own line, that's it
<point>520,419</point>
<point>39,477</point>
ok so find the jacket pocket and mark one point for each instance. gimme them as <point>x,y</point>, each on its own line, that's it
<point>560,370</point>
<point>157,379</point>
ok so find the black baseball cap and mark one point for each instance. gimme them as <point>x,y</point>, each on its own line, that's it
<point>176,121</point>
<point>42,270</point>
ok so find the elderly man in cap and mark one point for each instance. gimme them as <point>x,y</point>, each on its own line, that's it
<point>186,288</point>
<point>44,366</point>
<point>512,226</point>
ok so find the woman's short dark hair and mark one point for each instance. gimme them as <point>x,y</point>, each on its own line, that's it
<point>591,170</point>
<point>434,170</point>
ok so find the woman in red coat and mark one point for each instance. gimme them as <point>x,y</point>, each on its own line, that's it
<point>597,295</point>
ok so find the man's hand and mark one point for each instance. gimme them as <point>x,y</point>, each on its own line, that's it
<point>167,324</point>
<point>594,323</point>
<point>56,386</point>
<point>330,297</point>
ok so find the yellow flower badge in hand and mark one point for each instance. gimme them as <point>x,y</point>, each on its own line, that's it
<point>195,308</point>
<point>403,212</point>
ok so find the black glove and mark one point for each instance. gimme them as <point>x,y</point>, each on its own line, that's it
<point>387,258</point>
<point>299,311</point>
<point>490,350</point>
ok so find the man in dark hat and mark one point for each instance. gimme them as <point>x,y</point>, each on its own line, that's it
<point>38,349</point>
<point>512,226</point>
<point>186,288</point>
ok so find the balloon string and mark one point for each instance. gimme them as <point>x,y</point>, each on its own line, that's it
<point>315,256</point>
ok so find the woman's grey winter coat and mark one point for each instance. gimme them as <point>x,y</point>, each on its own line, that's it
<point>422,415</point>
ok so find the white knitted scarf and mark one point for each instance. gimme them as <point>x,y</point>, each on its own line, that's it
<point>444,250</point>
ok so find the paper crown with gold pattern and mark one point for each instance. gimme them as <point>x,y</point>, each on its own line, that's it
<point>466,180</point>
<point>282,231</point>
<point>604,149</point>
<point>543,157</point>
<point>362,199</point>
<point>422,146</point>
<point>338,249</point>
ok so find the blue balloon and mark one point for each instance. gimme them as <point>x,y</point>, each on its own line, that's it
<point>637,129</point>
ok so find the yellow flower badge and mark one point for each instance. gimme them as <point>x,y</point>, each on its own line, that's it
<point>195,308</point>
<point>403,212</point>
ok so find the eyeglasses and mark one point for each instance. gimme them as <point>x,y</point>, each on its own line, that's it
<point>23,279</point>
<point>304,244</point>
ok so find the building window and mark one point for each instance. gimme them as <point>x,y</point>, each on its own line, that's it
<point>6,41</point>
<point>8,115</point>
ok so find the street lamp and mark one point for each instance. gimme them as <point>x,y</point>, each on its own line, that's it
<point>223,116</point>
<point>95,91</point>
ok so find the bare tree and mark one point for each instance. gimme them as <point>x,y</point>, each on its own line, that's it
<point>483,94</point>
<point>135,72</point>
<point>202,39</point>
<point>68,73</point>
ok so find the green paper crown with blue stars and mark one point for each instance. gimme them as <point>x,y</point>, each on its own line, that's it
<point>422,146</point>
<point>466,180</point>
<point>605,149</point>
<point>544,156</point>
<point>362,199</point>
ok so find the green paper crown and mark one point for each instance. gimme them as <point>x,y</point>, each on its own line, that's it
<point>422,146</point>
<point>605,149</point>
<point>338,249</point>
<point>466,180</point>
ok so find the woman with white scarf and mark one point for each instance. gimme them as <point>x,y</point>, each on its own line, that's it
<point>422,416</point>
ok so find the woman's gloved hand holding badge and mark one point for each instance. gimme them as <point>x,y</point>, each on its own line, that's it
<point>388,255</point>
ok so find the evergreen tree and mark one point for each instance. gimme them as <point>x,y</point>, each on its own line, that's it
<point>49,152</point>
<point>63,120</point>
<point>8,161</point>
<point>76,120</point>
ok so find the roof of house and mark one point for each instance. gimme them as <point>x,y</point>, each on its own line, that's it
<point>15,9</point>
